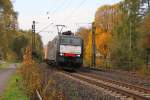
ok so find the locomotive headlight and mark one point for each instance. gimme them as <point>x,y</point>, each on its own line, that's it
<point>78,55</point>
<point>61,54</point>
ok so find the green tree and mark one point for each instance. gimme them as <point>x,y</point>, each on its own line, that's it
<point>6,34</point>
<point>125,48</point>
<point>39,47</point>
<point>18,45</point>
<point>13,42</point>
<point>145,30</point>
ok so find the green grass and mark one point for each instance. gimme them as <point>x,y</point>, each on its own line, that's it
<point>4,65</point>
<point>13,92</point>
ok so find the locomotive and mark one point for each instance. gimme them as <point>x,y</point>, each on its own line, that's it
<point>66,51</point>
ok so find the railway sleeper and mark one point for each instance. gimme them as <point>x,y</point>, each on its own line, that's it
<point>125,91</point>
<point>121,84</point>
<point>107,92</point>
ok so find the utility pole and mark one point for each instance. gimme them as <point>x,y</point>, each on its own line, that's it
<point>33,38</point>
<point>60,29</point>
<point>130,43</point>
<point>148,2</point>
<point>93,45</point>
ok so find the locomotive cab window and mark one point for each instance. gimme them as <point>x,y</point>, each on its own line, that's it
<point>71,40</point>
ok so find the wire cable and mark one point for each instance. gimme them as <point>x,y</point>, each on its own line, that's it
<point>69,16</point>
<point>45,27</point>
<point>74,10</point>
<point>52,14</point>
<point>57,8</point>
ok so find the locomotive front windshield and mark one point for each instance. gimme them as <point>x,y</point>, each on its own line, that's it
<point>71,41</point>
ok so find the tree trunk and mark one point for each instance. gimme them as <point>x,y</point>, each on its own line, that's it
<point>147,57</point>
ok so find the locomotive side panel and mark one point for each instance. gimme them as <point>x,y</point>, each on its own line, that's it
<point>52,47</point>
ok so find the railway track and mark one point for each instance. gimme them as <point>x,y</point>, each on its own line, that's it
<point>118,89</point>
<point>125,73</point>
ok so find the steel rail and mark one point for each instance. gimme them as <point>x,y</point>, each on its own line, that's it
<point>108,86</point>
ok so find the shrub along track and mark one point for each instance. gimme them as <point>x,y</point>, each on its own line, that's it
<point>117,89</point>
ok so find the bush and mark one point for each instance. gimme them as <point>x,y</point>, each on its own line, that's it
<point>145,70</point>
<point>30,74</point>
<point>33,80</point>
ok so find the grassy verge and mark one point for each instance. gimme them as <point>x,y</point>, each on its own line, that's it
<point>13,91</point>
<point>4,65</point>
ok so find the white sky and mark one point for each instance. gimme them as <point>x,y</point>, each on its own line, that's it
<point>72,13</point>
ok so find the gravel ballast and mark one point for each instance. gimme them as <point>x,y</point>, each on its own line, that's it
<point>75,90</point>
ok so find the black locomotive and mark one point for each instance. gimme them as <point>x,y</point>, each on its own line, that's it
<point>66,51</point>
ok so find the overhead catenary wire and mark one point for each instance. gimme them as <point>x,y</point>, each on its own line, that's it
<point>67,4</point>
<point>79,24</point>
<point>74,10</point>
<point>60,6</point>
<point>57,8</point>
<point>52,15</point>
<point>47,26</point>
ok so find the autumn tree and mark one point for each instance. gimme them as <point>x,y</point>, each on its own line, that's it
<point>108,16</point>
<point>7,18</point>
<point>26,36</point>
<point>122,34</point>
<point>125,49</point>
<point>103,40</point>
<point>84,34</point>
<point>88,50</point>
<point>105,18</point>
<point>145,30</point>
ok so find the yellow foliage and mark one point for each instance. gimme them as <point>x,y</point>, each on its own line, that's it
<point>102,40</point>
<point>32,79</point>
<point>88,50</point>
<point>30,73</point>
<point>102,43</point>
<point>145,70</point>
<point>11,55</point>
<point>108,16</point>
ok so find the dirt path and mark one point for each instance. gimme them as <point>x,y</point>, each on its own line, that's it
<point>5,76</point>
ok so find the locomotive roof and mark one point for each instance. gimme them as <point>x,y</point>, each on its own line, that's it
<point>58,36</point>
<point>70,36</point>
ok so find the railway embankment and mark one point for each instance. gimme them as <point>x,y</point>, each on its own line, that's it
<point>77,89</point>
<point>54,84</point>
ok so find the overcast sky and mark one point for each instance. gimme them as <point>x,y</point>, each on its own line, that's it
<point>72,13</point>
